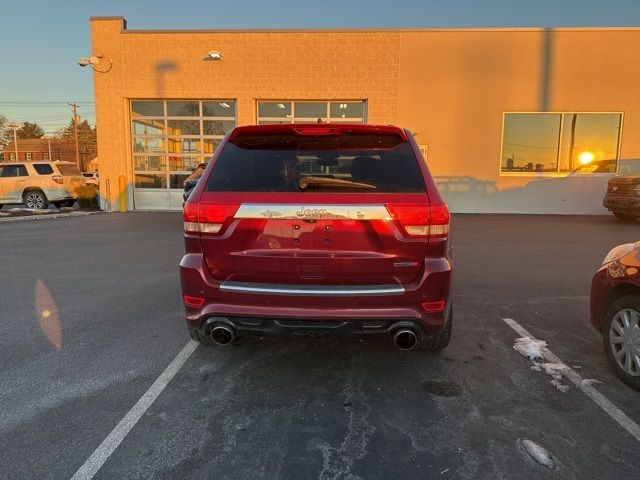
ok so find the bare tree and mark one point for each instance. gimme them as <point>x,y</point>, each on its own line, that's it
<point>6,134</point>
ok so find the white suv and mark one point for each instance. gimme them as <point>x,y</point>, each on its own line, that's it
<point>92,178</point>
<point>36,184</point>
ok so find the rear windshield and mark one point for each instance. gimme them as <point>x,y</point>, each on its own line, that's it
<point>68,169</point>
<point>285,169</point>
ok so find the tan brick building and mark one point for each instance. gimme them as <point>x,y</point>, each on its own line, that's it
<point>513,120</point>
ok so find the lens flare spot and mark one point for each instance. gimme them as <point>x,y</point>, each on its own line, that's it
<point>47,314</point>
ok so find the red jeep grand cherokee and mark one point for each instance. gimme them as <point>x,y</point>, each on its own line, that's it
<point>317,229</point>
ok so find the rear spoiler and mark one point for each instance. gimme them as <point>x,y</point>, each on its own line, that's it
<point>316,130</point>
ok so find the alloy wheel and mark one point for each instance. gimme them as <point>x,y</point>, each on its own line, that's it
<point>34,201</point>
<point>624,340</point>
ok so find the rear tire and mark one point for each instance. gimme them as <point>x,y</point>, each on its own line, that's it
<point>440,340</point>
<point>625,217</point>
<point>630,304</point>
<point>35,200</point>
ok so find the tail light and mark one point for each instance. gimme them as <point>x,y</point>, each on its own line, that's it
<point>433,307</point>
<point>421,220</point>
<point>206,218</point>
<point>315,131</point>
<point>57,179</point>
<point>193,301</point>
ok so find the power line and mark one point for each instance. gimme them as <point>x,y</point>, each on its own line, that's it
<point>49,119</point>
<point>58,114</point>
<point>535,146</point>
<point>46,118</point>
<point>9,102</point>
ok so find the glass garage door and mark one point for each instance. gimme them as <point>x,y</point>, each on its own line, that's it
<point>170,138</point>
<point>336,111</point>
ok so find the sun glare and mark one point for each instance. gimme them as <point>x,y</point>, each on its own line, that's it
<point>586,157</point>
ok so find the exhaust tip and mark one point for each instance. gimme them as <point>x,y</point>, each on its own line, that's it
<point>405,339</point>
<point>222,335</point>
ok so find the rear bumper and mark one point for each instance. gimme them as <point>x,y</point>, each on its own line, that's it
<point>268,313</point>
<point>326,327</point>
<point>56,194</point>
<point>622,203</point>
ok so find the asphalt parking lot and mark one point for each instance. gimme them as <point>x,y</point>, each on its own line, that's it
<point>90,317</point>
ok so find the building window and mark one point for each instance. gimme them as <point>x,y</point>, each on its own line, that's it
<point>571,142</point>
<point>13,156</point>
<point>170,138</point>
<point>285,111</point>
<point>29,156</point>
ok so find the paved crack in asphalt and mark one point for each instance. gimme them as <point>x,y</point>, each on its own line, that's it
<point>338,462</point>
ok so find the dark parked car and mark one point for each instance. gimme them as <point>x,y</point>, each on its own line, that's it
<point>623,196</point>
<point>318,229</point>
<point>615,310</point>
<point>597,166</point>
<point>191,181</point>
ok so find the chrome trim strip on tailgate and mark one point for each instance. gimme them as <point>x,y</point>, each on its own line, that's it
<point>312,212</point>
<point>311,290</point>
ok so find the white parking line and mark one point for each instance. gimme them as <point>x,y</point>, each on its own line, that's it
<point>602,401</point>
<point>109,444</point>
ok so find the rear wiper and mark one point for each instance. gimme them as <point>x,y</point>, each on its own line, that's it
<point>306,182</point>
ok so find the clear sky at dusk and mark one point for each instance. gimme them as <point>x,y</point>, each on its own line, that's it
<point>44,38</point>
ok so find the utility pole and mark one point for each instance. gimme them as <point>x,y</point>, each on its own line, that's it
<point>74,108</point>
<point>15,126</point>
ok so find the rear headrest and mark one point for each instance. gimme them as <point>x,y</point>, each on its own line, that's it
<point>366,169</point>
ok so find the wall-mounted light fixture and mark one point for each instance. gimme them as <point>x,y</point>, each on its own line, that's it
<point>94,60</point>
<point>213,56</point>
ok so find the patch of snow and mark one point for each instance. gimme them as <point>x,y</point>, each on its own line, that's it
<point>444,471</point>
<point>538,453</point>
<point>577,366</point>
<point>28,210</point>
<point>558,384</point>
<point>589,381</point>
<point>527,347</point>
<point>4,214</point>
<point>532,349</point>
<point>554,369</point>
